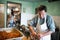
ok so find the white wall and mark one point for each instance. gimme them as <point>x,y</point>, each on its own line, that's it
<point>25,17</point>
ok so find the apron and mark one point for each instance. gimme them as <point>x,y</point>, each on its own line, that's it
<point>43,28</point>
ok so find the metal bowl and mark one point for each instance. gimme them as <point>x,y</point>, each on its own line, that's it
<point>12,29</point>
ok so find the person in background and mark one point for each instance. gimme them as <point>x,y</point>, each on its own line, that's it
<point>11,19</point>
<point>43,23</point>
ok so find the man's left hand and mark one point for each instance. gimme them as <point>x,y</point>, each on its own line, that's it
<point>40,35</point>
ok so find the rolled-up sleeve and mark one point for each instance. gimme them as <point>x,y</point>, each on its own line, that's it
<point>51,24</point>
<point>31,22</point>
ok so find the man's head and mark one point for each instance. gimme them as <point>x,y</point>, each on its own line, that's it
<point>41,11</point>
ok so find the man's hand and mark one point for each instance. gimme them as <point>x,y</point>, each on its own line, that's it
<point>40,35</point>
<point>44,34</point>
<point>34,34</point>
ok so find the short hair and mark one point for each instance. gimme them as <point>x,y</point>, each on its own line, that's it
<point>42,7</point>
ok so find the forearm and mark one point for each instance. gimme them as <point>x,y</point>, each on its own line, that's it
<point>31,29</point>
<point>47,33</point>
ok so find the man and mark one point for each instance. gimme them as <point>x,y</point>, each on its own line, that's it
<point>44,24</point>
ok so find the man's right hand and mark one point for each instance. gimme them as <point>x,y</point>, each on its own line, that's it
<point>34,34</point>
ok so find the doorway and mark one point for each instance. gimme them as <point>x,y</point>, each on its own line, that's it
<point>13,14</point>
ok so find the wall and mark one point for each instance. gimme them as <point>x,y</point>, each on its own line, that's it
<point>57,20</point>
<point>1,15</point>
